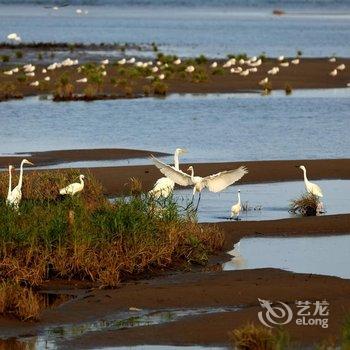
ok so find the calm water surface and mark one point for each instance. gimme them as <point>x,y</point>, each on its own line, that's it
<point>328,255</point>
<point>307,124</point>
<point>191,28</point>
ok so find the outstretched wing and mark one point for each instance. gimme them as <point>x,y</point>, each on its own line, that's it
<point>178,176</point>
<point>219,181</point>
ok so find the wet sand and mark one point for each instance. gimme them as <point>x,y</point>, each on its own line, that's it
<point>76,155</point>
<point>195,290</point>
<point>208,286</point>
<point>310,73</point>
<point>115,178</point>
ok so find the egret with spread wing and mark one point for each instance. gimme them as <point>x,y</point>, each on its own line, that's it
<point>165,186</point>
<point>73,188</point>
<point>214,183</point>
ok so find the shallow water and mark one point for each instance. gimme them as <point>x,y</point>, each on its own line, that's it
<point>325,255</point>
<point>50,337</point>
<point>214,127</point>
<point>267,201</point>
<point>189,29</point>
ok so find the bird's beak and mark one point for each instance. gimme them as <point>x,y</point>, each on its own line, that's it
<point>184,151</point>
<point>297,166</point>
<point>30,163</point>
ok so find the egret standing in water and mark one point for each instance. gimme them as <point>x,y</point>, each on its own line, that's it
<point>165,186</point>
<point>214,183</point>
<point>236,208</point>
<point>310,187</point>
<point>73,188</point>
<point>14,198</point>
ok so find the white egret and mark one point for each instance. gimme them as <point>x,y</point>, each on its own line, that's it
<point>236,208</point>
<point>214,183</point>
<point>73,188</point>
<point>333,73</point>
<point>10,184</point>
<point>161,77</point>
<point>341,67</point>
<point>16,194</point>
<point>47,78</point>
<point>245,73</point>
<point>310,187</point>
<point>264,81</point>
<point>34,83</point>
<point>14,37</point>
<point>253,70</point>
<point>44,71</point>
<point>131,60</point>
<point>332,59</point>
<point>82,80</point>
<point>8,72</point>
<point>189,69</point>
<point>122,61</point>
<point>164,186</point>
<point>214,65</point>
<point>79,11</point>
<point>155,69</point>
<point>284,64</point>
<point>15,70</point>
<point>177,61</point>
<point>106,61</point>
<point>296,61</point>
<point>31,74</point>
<point>280,58</point>
<point>256,63</point>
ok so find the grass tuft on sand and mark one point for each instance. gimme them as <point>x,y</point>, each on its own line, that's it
<point>89,238</point>
<point>252,337</point>
<point>307,205</point>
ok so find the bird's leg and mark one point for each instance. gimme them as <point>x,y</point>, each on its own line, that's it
<point>199,198</point>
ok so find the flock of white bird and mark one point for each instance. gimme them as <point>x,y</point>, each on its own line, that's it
<point>164,186</point>
<point>242,67</point>
<point>214,183</point>
<point>14,195</point>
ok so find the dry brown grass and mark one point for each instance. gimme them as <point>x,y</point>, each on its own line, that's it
<point>86,237</point>
<point>19,302</point>
<point>251,337</point>
<point>306,205</point>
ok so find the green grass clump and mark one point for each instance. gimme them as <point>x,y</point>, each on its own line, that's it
<point>87,237</point>
<point>199,76</point>
<point>218,71</point>
<point>5,58</point>
<point>201,59</point>
<point>19,54</point>
<point>160,88</point>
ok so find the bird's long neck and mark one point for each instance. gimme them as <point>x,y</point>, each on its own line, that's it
<point>176,160</point>
<point>10,182</point>
<point>305,177</point>
<point>82,181</point>
<point>239,198</point>
<point>192,174</point>
<point>21,177</point>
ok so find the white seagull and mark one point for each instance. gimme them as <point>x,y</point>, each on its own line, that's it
<point>73,188</point>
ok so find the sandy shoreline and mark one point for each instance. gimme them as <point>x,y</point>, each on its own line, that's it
<point>77,155</point>
<point>206,287</point>
<point>311,73</point>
